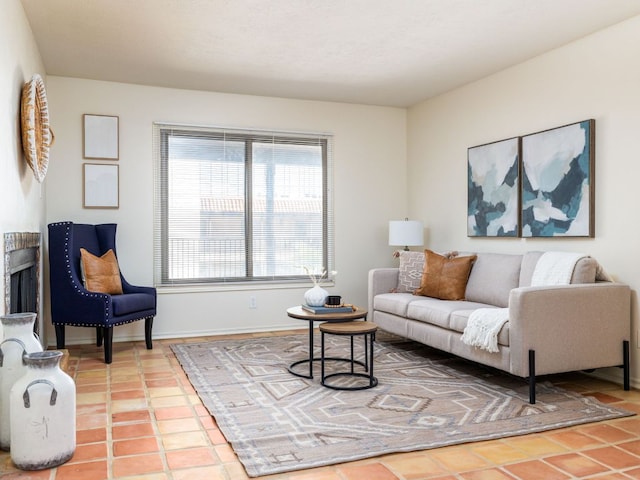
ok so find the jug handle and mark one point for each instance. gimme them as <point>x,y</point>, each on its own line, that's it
<point>27,400</point>
<point>24,349</point>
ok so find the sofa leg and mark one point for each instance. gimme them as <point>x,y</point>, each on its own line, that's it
<point>148,325</point>
<point>625,364</point>
<point>99,336</point>
<point>108,344</point>
<point>532,377</point>
<point>60,340</point>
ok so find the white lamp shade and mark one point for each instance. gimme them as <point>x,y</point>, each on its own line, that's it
<point>406,233</point>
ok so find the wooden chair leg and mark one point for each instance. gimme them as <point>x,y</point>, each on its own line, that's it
<point>60,340</point>
<point>99,336</point>
<point>108,344</point>
<point>148,325</point>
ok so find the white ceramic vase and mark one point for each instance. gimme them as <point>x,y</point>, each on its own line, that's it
<point>316,296</point>
<point>18,339</point>
<point>43,413</point>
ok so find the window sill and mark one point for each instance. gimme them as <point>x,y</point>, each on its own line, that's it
<point>235,287</point>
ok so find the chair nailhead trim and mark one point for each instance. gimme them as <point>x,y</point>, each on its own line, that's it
<point>100,325</point>
<point>80,288</point>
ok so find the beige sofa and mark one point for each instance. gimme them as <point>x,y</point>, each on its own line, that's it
<point>551,329</point>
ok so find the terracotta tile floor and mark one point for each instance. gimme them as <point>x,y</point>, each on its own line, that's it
<point>140,419</point>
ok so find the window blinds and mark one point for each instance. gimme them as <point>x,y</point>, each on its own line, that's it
<point>240,205</point>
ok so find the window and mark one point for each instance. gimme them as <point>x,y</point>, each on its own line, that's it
<point>240,206</point>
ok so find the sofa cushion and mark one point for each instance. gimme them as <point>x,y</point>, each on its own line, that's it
<point>437,312</point>
<point>395,303</point>
<point>445,277</point>
<point>584,271</point>
<point>410,271</point>
<point>458,322</point>
<point>492,277</point>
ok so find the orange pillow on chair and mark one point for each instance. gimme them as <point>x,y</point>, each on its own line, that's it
<point>445,277</point>
<point>101,274</point>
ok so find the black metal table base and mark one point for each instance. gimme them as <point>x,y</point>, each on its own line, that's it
<point>319,359</point>
<point>312,359</point>
<point>373,381</point>
<point>367,364</point>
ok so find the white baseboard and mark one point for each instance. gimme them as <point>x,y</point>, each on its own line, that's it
<point>613,375</point>
<point>91,337</point>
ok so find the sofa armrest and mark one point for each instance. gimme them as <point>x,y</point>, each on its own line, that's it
<point>570,327</point>
<point>381,280</point>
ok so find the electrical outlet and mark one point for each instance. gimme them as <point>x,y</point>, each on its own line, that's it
<point>252,302</point>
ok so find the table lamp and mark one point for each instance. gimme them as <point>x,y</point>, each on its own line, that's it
<point>406,233</point>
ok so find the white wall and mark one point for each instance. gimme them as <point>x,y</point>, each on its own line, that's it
<point>21,196</point>
<point>597,77</point>
<point>370,181</point>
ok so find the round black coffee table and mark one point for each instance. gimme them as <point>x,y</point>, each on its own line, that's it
<point>301,314</point>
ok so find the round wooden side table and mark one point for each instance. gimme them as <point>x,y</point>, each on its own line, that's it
<point>351,329</point>
<point>301,314</point>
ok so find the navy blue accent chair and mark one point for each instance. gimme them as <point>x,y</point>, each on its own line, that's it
<point>72,304</point>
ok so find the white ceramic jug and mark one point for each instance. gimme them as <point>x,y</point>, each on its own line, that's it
<point>18,339</point>
<point>43,413</point>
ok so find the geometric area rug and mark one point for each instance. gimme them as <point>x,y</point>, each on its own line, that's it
<point>277,422</point>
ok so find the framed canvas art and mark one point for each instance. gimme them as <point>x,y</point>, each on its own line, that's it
<point>493,188</point>
<point>558,181</point>
<point>100,137</point>
<point>100,186</point>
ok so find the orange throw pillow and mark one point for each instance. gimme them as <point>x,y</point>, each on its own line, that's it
<point>445,277</point>
<point>101,274</point>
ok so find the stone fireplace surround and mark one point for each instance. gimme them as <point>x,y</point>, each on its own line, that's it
<point>22,256</point>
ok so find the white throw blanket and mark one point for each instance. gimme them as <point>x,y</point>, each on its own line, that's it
<point>555,268</point>
<point>484,324</point>
<point>483,327</point>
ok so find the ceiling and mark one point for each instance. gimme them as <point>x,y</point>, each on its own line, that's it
<point>378,52</point>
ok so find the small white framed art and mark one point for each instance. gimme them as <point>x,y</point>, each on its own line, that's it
<point>100,186</point>
<point>100,137</point>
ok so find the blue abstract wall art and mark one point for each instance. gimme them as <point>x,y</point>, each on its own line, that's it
<point>557,181</point>
<point>493,189</point>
